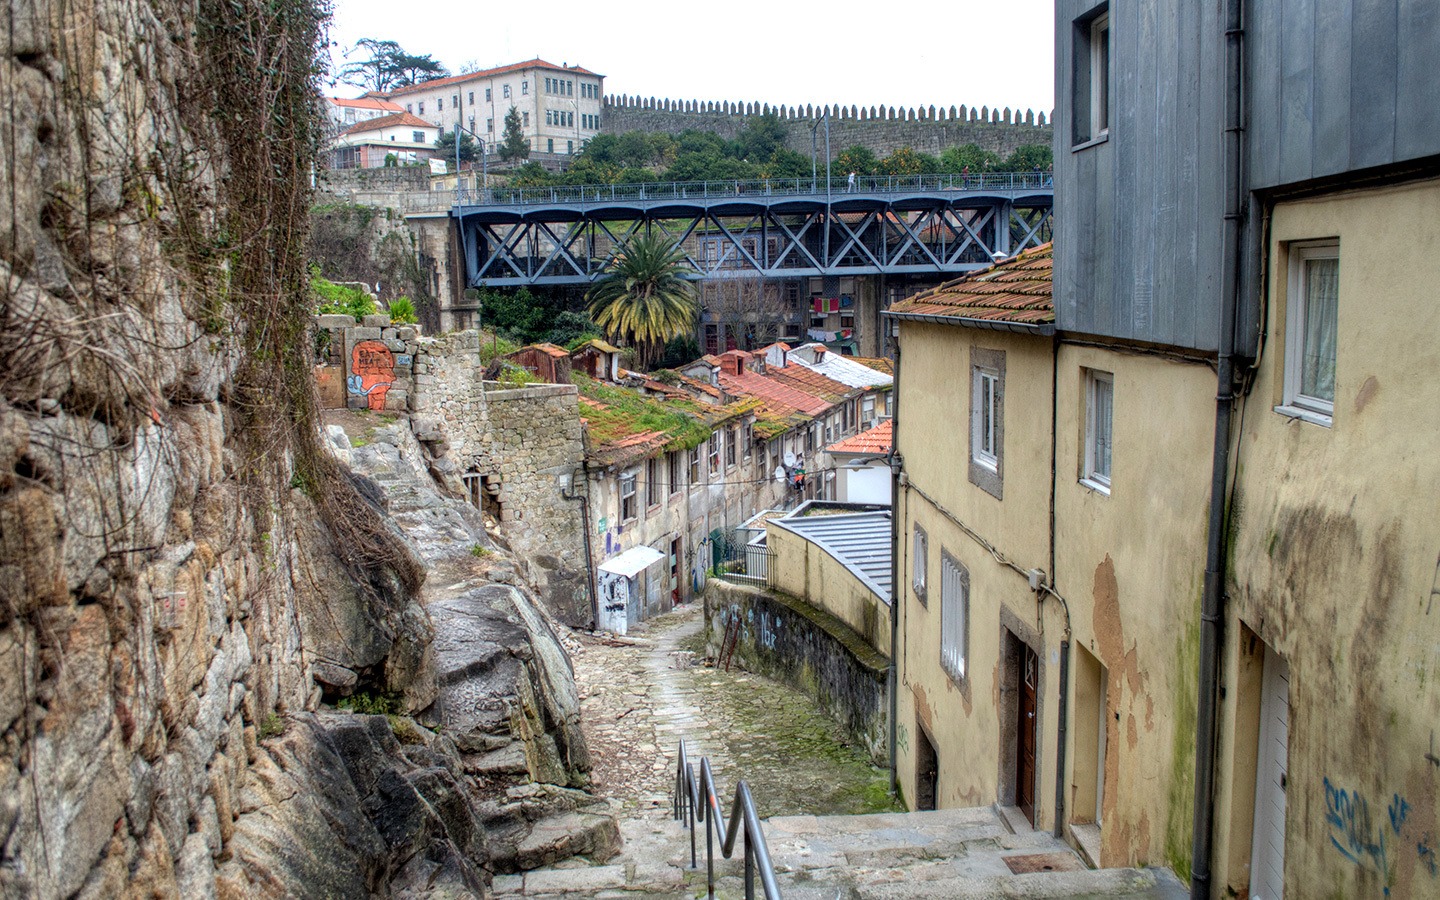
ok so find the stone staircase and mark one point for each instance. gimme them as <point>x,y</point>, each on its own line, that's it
<point>959,853</point>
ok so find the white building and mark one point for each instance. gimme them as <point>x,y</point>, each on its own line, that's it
<point>559,106</point>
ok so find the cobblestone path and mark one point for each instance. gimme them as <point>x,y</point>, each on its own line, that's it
<point>639,699</point>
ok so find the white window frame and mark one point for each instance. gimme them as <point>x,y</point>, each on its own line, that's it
<point>714,453</point>
<point>919,556</point>
<point>676,465</point>
<point>1100,76</point>
<point>954,617</point>
<point>627,494</point>
<point>1318,410</point>
<point>984,412</point>
<point>1097,384</point>
<point>654,488</point>
<point>731,440</point>
<point>695,467</point>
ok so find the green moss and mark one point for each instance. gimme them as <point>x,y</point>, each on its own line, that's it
<point>1181,791</point>
<point>370,704</point>
<point>271,726</point>
<point>622,413</point>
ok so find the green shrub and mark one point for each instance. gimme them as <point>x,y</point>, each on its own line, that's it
<point>369,704</point>
<point>340,300</point>
<point>402,311</point>
<point>271,726</point>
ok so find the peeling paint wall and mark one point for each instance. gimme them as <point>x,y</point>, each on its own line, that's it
<point>1334,547</point>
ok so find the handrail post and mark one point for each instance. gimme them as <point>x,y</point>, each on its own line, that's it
<point>709,848</point>
<point>749,869</point>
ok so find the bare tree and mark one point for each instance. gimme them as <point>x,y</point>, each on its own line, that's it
<point>754,311</point>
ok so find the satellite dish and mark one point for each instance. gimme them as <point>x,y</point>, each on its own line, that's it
<point>789,459</point>
<point>780,474</point>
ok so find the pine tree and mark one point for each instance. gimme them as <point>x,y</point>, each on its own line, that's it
<point>514,147</point>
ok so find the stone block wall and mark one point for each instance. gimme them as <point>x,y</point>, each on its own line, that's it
<point>516,452</point>
<point>788,640</point>
<point>365,365</point>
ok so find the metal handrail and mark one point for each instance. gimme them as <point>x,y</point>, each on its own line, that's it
<point>839,186</point>
<point>694,797</point>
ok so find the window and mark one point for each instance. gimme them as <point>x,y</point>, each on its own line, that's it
<point>714,452</point>
<point>525,87</point>
<point>987,419</point>
<point>525,119</point>
<point>417,137</point>
<point>422,107</point>
<point>487,95</point>
<point>1091,100</point>
<point>694,466</point>
<point>654,487</point>
<point>847,320</point>
<point>730,442</point>
<point>954,616</point>
<point>549,117</point>
<point>1311,312</point>
<point>570,147</point>
<point>490,125</point>
<point>675,472</point>
<point>440,104</point>
<point>409,107</point>
<point>1099,415</point>
<point>549,145</point>
<point>627,496</point>
<point>505,90</point>
<point>919,562</point>
<point>472,98</point>
<point>745,440</point>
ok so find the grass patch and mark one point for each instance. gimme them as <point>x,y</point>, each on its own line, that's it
<point>622,413</point>
<point>271,726</point>
<point>480,552</point>
<point>369,704</point>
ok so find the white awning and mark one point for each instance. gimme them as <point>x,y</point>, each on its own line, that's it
<point>632,562</point>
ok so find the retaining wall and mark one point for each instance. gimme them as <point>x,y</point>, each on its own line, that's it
<point>786,639</point>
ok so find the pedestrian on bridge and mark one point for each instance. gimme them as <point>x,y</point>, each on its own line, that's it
<point>850,185</point>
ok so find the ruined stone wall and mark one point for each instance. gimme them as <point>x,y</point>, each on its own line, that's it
<point>881,129</point>
<point>515,448</point>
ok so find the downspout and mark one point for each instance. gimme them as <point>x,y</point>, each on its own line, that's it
<point>896,593</point>
<point>1062,727</point>
<point>1213,599</point>
<point>584,497</point>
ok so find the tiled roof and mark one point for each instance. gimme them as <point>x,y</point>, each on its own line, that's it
<point>549,350</point>
<point>394,120</point>
<point>768,388</point>
<point>872,440</point>
<point>812,382</point>
<point>536,63</point>
<point>365,103</point>
<point>1016,291</point>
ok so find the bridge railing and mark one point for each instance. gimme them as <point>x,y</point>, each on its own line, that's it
<point>838,187</point>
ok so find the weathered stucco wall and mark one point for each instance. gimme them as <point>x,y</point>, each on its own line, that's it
<point>790,641</point>
<point>1333,564</point>
<point>804,570</point>
<point>519,447</point>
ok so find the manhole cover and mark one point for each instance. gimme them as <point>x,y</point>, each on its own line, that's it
<point>1043,862</point>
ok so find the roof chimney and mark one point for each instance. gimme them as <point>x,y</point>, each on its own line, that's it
<point>819,355</point>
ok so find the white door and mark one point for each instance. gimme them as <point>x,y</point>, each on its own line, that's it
<point>1267,853</point>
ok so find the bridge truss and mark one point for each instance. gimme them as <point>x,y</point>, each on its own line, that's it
<point>771,237</point>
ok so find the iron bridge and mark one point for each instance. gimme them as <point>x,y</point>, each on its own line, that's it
<point>792,228</point>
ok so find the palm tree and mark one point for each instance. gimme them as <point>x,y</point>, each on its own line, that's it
<point>644,296</point>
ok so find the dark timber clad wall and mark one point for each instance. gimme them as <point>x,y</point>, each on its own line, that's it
<point>1335,86</point>
<point>1138,226</point>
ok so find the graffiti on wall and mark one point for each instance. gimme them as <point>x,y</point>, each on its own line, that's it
<point>1375,841</point>
<point>372,372</point>
<point>614,596</point>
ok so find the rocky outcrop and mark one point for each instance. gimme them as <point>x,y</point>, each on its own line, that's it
<point>185,578</point>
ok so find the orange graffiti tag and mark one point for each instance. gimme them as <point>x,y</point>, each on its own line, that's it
<point>372,371</point>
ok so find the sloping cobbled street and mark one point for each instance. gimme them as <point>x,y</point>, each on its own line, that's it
<point>640,696</point>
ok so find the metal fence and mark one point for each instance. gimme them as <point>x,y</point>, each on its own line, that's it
<point>837,187</point>
<point>740,555</point>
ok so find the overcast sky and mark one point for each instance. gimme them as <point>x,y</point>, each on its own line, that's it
<point>772,51</point>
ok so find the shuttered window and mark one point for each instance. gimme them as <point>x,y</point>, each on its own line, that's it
<point>954,616</point>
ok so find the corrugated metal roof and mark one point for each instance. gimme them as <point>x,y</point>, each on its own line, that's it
<point>859,541</point>
<point>1017,291</point>
<point>844,370</point>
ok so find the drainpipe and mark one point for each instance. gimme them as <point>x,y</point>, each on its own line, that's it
<point>896,593</point>
<point>1212,614</point>
<point>584,497</point>
<point>1061,729</point>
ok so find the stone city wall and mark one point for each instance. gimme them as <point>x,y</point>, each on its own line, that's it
<point>882,130</point>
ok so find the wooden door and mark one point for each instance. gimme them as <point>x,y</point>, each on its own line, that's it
<point>1025,757</point>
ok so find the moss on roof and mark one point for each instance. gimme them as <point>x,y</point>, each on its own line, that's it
<point>616,413</point>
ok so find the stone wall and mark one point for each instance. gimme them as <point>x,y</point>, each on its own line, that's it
<point>786,639</point>
<point>514,450</point>
<point>881,129</point>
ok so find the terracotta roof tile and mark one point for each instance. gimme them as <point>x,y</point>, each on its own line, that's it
<point>878,363</point>
<point>365,103</point>
<point>394,120</point>
<point>812,382</point>
<point>766,388</point>
<point>1016,290</point>
<point>872,440</point>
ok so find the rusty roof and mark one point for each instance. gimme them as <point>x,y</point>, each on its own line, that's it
<point>536,63</point>
<point>394,120</point>
<point>812,382</point>
<point>872,440</point>
<point>878,363</point>
<point>774,391</point>
<point>1016,291</point>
